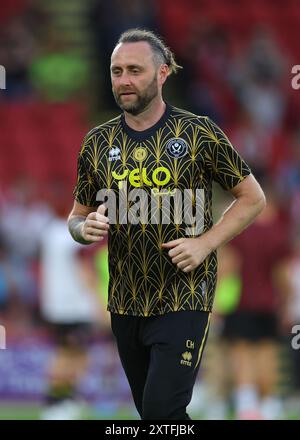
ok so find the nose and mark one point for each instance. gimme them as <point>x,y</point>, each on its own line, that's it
<point>124,79</point>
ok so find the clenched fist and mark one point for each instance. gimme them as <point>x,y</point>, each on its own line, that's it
<point>188,253</point>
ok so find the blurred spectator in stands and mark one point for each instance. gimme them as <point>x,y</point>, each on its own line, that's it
<point>58,73</point>
<point>7,285</point>
<point>22,26</point>
<point>257,76</point>
<point>252,330</point>
<point>263,149</point>
<point>288,178</point>
<point>22,218</point>
<point>71,306</point>
<point>108,19</point>
<point>206,65</point>
<point>17,49</point>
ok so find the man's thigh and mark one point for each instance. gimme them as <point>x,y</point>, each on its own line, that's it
<point>177,343</point>
<point>135,357</point>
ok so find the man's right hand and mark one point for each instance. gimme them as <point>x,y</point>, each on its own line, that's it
<point>96,225</point>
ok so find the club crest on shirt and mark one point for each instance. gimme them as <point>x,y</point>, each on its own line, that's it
<point>114,154</point>
<point>177,147</point>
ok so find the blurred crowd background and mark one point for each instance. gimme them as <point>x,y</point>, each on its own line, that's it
<point>237,58</point>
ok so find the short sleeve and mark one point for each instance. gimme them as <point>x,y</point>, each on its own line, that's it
<point>226,165</point>
<point>85,191</point>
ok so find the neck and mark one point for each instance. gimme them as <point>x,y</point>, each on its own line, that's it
<point>149,117</point>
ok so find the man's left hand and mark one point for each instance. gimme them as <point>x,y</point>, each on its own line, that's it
<point>188,253</point>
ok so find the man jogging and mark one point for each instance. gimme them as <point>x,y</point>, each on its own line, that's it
<point>152,169</point>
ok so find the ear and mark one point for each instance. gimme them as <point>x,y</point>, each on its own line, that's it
<point>163,73</point>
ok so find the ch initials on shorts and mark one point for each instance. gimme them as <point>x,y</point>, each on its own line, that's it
<point>190,344</point>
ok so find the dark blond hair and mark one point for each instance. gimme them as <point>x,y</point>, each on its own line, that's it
<point>162,54</point>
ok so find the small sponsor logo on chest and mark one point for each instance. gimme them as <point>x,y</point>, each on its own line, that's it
<point>114,154</point>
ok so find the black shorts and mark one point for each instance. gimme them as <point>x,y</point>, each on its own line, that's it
<point>251,326</point>
<point>161,356</point>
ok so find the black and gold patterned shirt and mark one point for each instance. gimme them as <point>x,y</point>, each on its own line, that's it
<point>176,159</point>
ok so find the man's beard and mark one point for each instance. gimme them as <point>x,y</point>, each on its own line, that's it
<point>142,100</point>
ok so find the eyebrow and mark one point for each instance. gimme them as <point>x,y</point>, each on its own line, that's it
<point>130,66</point>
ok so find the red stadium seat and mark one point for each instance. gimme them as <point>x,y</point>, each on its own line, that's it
<point>41,139</point>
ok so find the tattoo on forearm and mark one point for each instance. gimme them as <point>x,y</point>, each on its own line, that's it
<point>75,224</point>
